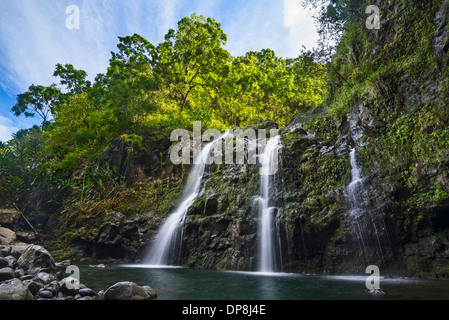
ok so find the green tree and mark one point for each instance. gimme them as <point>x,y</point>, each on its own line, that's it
<point>37,100</point>
<point>130,81</point>
<point>191,57</point>
<point>23,168</point>
<point>74,80</point>
<point>333,18</point>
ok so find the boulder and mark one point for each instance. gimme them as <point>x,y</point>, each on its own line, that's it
<point>33,286</point>
<point>14,289</point>
<point>68,287</point>
<point>375,292</point>
<point>61,266</point>
<point>17,249</point>
<point>36,259</point>
<point>5,250</point>
<point>27,236</point>
<point>150,291</point>
<point>4,262</point>
<point>44,277</point>
<point>126,291</point>
<point>12,262</point>
<point>7,236</point>
<point>9,217</point>
<point>6,273</point>
<point>87,292</point>
<point>18,273</point>
<point>45,294</point>
<point>53,287</point>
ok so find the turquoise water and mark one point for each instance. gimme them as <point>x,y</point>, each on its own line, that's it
<point>193,284</point>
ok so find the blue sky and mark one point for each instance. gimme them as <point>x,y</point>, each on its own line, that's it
<point>34,36</point>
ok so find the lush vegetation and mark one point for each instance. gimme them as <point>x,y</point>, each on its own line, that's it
<point>395,78</point>
<point>83,157</point>
<point>92,131</point>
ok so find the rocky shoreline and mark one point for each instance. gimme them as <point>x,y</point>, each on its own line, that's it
<point>29,272</point>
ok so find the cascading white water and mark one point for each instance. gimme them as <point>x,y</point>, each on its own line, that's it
<point>267,252</point>
<point>356,191</point>
<point>169,237</point>
<point>357,198</point>
<point>364,225</point>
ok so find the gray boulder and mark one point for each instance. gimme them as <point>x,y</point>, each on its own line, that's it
<point>53,287</point>
<point>33,286</point>
<point>7,236</point>
<point>17,249</point>
<point>87,292</point>
<point>19,273</point>
<point>5,250</point>
<point>45,294</point>
<point>44,277</point>
<point>36,259</point>
<point>12,262</point>
<point>150,291</point>
<point>68,286</point>
<point>61,266</point>
<point>9,217</point>
<point>6,273</point>
<point>3,262</point>
<point>14,290</point>
<point>126,291</point>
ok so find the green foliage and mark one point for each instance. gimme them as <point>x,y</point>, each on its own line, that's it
<point>74,80</point>
<point>390,75</point>
<point>23,167</point>
<point>192,57</point>
<point>94,131</point>
<point>37,100</point>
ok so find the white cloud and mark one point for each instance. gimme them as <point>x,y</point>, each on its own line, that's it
<point>33,35</point>
<point>261,24</point>
<point>7,128</point>
<point>294,14</point>
<point>300,23</point>
<point>34,39</point>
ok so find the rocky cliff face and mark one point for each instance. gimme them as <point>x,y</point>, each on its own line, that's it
<point>317,234</point>
<point>396,121</point>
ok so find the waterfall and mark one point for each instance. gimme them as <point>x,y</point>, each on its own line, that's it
<point>360,216</point>
<point>356,189</point>
<point>268,247</point>
<point>167,244</point>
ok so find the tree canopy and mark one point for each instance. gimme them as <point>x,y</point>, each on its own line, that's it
<point>146,92</point>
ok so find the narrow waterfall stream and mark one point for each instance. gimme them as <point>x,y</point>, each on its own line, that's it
<point>364,226</point>
<point>166,247</point>
<point>356,191</point>
<point>268,244</point>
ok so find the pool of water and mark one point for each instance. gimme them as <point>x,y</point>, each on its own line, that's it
<point>172,283</point>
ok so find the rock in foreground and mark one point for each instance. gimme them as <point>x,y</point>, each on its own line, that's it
<point>14,289</point>
<point>35,275</point>
<point>129,291</point>
<point>7,236</point>
<point>36,259</point>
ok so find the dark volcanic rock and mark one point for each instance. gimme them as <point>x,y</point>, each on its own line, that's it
<point>126,291</point>
<point>36,259</point>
